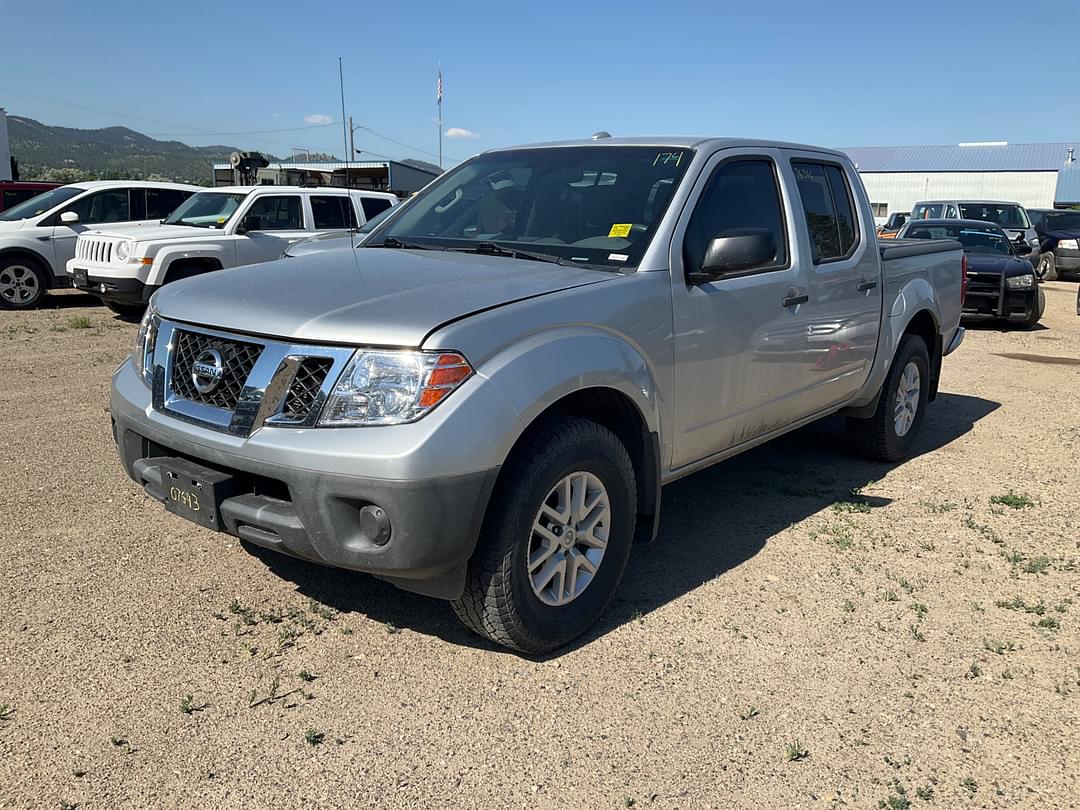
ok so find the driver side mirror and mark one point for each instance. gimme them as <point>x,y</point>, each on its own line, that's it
<point>735,252</point>
<point>69,218</point>
<point>1022,249</point>
<point>252,222</point>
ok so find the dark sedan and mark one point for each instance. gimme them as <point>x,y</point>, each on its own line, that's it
<point>1059,239</point>
<point>1001,282</point>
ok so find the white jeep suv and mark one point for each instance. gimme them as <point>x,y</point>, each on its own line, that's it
<point>37,237</point>
<point>215,229</point>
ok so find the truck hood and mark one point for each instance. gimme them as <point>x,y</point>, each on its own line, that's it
<point>1009,265</point>
<point>367,297</point>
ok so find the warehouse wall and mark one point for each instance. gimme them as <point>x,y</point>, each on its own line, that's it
<point>901,190</point>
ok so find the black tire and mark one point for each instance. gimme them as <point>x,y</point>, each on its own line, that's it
<point>499,602</point>
<point>1038,307</point>
<point>21,277</point>
<point>132,312</point>
<point>877,437</point>
<point>1046,269</point>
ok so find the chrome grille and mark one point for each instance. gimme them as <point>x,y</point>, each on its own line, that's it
<point>238,359</point>
<point>304,391</point>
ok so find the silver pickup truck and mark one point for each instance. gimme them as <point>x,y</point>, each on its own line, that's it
<point>482,402</point>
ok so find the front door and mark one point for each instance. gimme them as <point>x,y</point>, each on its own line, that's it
<point>740,341</point>
<point>280,223</point>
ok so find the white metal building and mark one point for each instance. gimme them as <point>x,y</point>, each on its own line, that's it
<point>1036,175</point>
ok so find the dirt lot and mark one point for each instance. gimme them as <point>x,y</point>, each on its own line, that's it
<point>809,630</point>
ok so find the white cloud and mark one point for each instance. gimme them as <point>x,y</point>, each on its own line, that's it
<point>317,118</point>
<point>459,132</point>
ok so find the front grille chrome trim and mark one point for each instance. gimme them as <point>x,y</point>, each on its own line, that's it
<point>266,389</point>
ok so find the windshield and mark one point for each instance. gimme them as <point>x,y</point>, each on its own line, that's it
<point>1067,221</point>
<point>41,203</point>
<point>206,209</point>
<point>1005,215</point>
<point>597,205</point>
<point>973,238</point>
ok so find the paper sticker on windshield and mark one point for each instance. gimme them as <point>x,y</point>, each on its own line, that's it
<point>618,257</point>
<point>619,231</point>
<point>221,220</point>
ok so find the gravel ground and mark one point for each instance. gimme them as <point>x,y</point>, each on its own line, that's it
<point>809,630</point>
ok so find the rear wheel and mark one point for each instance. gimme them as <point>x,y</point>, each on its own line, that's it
<point>1046,269</point>
<point>555,540</point>
<point>889,434</point>
<point>22,283</point>
<point>131,311</point>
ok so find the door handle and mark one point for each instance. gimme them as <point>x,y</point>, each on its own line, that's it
<point>866,285</point>
<point>795,300</point>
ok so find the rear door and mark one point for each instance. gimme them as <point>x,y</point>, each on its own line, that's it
<point>843,280</point>
<point>740,341</point>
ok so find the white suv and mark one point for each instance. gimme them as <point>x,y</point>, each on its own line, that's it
<point>215,229</point>
<point>37,237</point>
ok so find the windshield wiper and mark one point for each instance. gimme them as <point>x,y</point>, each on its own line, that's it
<point>393,242</point>
<point>495,249</point>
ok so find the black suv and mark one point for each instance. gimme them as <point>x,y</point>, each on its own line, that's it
<point>1059,240</point>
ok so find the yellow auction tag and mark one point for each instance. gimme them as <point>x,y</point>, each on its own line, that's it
<point>619,231</point>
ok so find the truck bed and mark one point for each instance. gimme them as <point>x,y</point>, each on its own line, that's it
<point>903,248</point>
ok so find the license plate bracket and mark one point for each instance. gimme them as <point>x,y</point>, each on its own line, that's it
<point>195,492</point>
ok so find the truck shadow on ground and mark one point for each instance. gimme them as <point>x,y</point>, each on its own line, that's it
<point>711,523</point>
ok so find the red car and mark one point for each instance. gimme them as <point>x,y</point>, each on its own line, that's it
<point>13,192</point>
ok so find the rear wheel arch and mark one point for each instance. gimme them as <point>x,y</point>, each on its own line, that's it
<point>925,325</point>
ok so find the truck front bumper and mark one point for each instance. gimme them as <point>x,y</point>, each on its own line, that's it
<point>303,492</point>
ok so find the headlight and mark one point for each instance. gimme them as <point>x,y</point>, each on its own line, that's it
<point>1021,282</point>
<point>123,250</point>
<point>142,356</point>
<point>1068,244</point>
<point>392,387</point>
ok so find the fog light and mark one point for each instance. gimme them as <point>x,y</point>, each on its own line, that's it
<point>375,525</point>
<point>103,287</point>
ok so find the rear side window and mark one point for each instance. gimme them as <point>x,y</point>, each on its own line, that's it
<point>13,197</point>
<point>373,206</point>
<point>160,202</point>
<point>277,213</point>
<point>928,211</point>
<point>830,210</point>
<point>741,195</point>
<point>332,213</point>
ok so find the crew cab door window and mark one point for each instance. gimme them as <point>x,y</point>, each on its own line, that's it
<point>332,213</point>
<point>741,195</point>
<point>829,209</point>
<point>277,213</point>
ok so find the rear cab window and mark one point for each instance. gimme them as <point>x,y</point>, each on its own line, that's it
<point>829,208</point>
<point>332,212</point>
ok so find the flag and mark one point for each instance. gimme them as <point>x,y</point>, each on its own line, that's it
<point>438,88</point>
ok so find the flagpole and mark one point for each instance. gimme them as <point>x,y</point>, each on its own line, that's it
<point>438,100</point>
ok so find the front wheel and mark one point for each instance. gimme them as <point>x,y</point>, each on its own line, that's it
<point>555,540</point>
<point>22,284</point>
<point>890,433</point>
<point>1038,307</point>
<point>1046,269</point>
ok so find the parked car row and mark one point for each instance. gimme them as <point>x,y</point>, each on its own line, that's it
<point>121,240</point>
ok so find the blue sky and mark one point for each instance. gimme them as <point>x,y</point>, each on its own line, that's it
<point>836,73</point>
